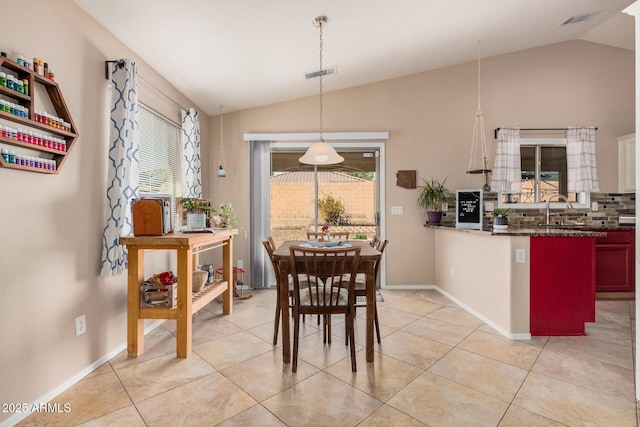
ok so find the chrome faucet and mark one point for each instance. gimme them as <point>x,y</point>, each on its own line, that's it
<point>558,196</point>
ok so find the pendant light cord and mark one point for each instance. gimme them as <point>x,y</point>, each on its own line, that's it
<point>321,21</point>
<point>221,139</point>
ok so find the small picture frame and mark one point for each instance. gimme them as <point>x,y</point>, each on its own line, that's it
<point>406,179</point>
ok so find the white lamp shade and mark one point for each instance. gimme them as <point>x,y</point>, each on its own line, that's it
<point>321,153</point>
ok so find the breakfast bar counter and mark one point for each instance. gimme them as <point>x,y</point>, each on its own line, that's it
<point>522,282</point>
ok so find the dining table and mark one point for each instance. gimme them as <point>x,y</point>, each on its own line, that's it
<point>367,260</point>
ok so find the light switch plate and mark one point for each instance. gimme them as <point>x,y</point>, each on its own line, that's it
<point>520,256</point>
<point>397,210</point>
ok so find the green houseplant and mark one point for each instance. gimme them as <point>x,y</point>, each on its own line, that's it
<point>224,216</point>
<point>500,218</point>
<point>432,194</point>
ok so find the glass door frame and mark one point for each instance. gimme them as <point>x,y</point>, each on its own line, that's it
<point>340,140</point>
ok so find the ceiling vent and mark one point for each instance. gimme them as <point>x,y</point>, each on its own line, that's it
<point>316,74</point>
<point>580,18</point>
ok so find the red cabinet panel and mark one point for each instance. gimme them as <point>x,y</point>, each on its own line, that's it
<point>562,285</point>
<point>615,261</point>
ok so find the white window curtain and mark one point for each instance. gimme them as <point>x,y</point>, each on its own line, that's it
<point>192,181</point>
<point>506,176</point>
<point>582,173</point>
<point>122,183</point>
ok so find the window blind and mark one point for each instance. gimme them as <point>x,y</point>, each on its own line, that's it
<point>159,154</point>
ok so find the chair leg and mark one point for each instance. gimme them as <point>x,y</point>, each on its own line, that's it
<point>349,318</point>
<point>375,311</point>
<point>328,328</point>
<point>296,336</point>
<point>277,321</point>
<point>324,330</point>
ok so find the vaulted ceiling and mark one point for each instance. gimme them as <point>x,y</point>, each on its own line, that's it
<point>247,53</point>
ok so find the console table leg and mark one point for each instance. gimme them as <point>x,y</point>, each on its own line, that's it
<point>135,325</point>
<point>183,323</point>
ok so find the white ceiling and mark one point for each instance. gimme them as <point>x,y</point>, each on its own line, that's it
<point>247,53</point>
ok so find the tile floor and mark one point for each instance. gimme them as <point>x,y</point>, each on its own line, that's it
<point>437,366</point>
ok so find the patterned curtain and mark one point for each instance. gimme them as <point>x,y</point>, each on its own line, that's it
<point>122,184</point>
<point>506,176</point>
<point>191,170</point>
<point>582,173</point>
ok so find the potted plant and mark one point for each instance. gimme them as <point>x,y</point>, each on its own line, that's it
<point>500,218</point>
<point>196,217</point>
<point>432,195</point>
<point>224,216</point>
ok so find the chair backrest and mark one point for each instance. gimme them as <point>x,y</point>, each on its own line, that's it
<point>319,275</point>
<point>378,244</point>
<point>333,234</point>
<point>270,246</point>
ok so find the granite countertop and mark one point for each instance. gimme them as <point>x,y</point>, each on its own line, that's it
<point>542,231</point>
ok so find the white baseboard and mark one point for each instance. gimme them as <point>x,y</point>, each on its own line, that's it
<point>415,287</point>
<point>512,336</point>
<point>17,417</point>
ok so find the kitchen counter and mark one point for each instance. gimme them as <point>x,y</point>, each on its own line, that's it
<point>521,281</point>
<point>542,231</point>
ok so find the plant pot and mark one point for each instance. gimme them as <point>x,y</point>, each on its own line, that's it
<point>434,217</point>
<point>500,223</point>
<point>196,221</point>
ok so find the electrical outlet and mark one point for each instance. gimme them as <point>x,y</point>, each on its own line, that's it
<point>240,263</point>
<point>594,206</point>
<point>81,325</point>
<point>488,206</point>
<point>520,256</point>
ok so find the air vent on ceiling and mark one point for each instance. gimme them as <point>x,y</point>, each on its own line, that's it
<point>580,18</point>
<point>325,72</point>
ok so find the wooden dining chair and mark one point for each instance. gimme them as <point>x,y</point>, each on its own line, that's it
<point>339,235</point>
<point>319,287</point>
<point>270,247</point>
<point>360,287</point>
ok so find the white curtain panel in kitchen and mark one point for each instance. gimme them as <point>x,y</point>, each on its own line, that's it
<point>122,183</point>
<point>506,176</point>
<point>190,138</point>
<point>582,173</point>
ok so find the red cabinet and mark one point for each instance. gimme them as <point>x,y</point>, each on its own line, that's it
<point>615,261</point>
<point>562,285</point>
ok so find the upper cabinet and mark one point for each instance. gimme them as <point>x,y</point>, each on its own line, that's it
<point>30,139</point>
<point>627,163</point>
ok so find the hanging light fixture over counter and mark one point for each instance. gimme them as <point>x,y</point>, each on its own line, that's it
<point>321,153</point>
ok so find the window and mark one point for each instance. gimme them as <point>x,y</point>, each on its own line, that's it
<point>159,154</point>
<point>544,174</point>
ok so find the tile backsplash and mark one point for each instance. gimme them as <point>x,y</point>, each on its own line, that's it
<point>610,207</point>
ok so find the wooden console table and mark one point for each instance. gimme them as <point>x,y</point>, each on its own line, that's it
<point>187,246</point>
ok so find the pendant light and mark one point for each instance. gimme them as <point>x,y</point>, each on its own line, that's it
<point>321,153</point>
<point>478,141</point>
<point>221,171</point>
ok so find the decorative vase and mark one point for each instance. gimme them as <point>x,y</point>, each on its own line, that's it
<point>196,221</point>
<point>434,217</point>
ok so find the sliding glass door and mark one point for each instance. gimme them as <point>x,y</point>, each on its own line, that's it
<point>350,196</point>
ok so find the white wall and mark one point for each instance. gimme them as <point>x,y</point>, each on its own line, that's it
<point>51,225</point>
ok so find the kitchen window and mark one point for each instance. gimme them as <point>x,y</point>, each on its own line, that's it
<point>544,174</point>
<point>159,153</point>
